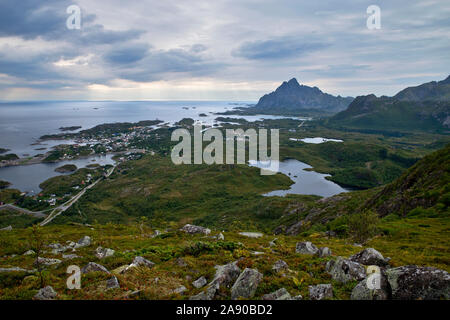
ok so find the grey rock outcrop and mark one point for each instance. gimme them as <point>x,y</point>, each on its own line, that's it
<point>112,283</point>
<point>369,256</point>
<point>102,253</point>
<point>344,270</point>
<point>46,261</point>
<point>373,287</point>
<point>191,229</point>
<point>306,248</point>
<point>321,292</point>
<point>414,282</point>
<point>280,265</point>
<point>246,285</point>
<point>200,282</point>
<point>83,242</point>
<point>93,267</point>
<point>47,293</point>
<point>324,252</point>
<point>280,294</point>
<point>224,277</point>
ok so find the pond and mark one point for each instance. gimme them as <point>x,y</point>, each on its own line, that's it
<point>305,182</point>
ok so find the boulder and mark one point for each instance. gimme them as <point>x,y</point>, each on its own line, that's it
<point>246,285</point>
<point>46,261</point>
<point>180,290</point>
<point>280,265</point>
<point>83,242</point>
<point>16,269</point>
<point>112,283</point>
<point>102,253</point>
<point>414,282</point>
<point>251,234</point>
<point>200,282</point>
<point>374,287</point>
<point>320,292</point>
<point>70,256</point>
<point>369,256</point>
<point>344,270</point>
<point>306,248</point>
<point>280,294</point>
<point>8,228</point>
<point>324,252</point>
<point>29,252</point>
<point>220,237</point>
<point>93,267</point>
<point>140,261</point>
<point>46,293</point>
<point>273,243</point>
<point>191,229</point>
<point>224,277</point>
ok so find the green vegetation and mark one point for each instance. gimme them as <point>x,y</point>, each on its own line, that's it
<point>8,157</point>
<point>4,184</point>
<point>66,168</point>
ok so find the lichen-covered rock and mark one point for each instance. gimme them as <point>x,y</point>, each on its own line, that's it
<point>93,267</point>
<point>83,242</point>
<point>139,262</point>
<point>8,228</point>
<point>251,234</point>
<point>46,261</point>
<point>320,292</point>
<point>414,282</point>
<point>112,283</point>
<point>47,293</point>
<point>102,253</point>
<point>200,282</point>
<point>306,248</point>
<point>180,290</point>
<point>246,285</point>
<point>191,229</point>
<point>369,256</point>
<point>280,294</point>
<point>224,277</point>
<point>29,252</point>
<point>280,265</point>
<point>324,252</point>
<point>373,287</point>
<point>344,270</point>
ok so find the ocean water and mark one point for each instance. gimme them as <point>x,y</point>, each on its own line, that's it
<point>22,123</point>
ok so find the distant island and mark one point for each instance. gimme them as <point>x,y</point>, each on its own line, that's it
<point>2,150</point>
<point>4,184</point>
<point>66,168</point>
<point>72,128</point>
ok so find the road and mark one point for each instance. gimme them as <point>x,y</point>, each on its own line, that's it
<point>37,214</point>
<point>66,205</point>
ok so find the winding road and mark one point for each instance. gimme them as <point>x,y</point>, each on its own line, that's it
<point>58,210</point>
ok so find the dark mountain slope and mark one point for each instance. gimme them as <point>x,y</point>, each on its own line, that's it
<point>291,97</point>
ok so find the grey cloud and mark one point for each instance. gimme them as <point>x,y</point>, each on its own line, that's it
<point>279,48</point>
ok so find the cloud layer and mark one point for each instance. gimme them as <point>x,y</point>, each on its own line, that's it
<point>223,49</point>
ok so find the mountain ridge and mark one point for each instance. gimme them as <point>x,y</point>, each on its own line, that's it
<point>291,96</point>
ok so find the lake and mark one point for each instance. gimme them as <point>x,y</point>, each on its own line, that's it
<point>305,182</point>
<point>28,178</point>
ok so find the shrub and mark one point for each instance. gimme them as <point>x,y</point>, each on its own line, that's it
<point>363,226</point>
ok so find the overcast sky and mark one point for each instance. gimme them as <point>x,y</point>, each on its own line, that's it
<point>217,49</point>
